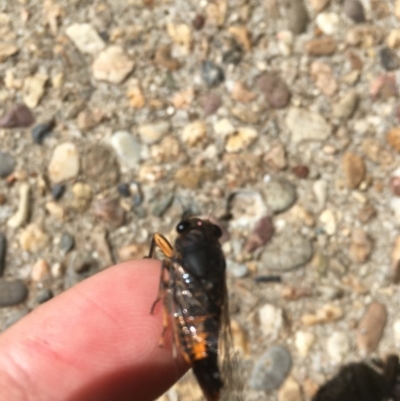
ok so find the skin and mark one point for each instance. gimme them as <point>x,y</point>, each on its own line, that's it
<point>96,341</point>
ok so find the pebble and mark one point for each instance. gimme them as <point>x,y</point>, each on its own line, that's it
<point>33,89</point>
<point>354,10</point>
<point>303,342</point>
<point>271,369</point>
<point>20,217</point>
<point>301,171</point>
<point>241,93</point>
<point>3,253</point>
<point>290,391</point>
<point>64,163</point>
<point>19,116</point>
<point>360,247</point>
<point>262,233</point>
<point>346,106</point>
<point>396,332</point>
<point>241,139</point>
<point>44,295</point>
<point>286,251</point>
<point>389,59</point>
<point>163,58</point>
<point>307,126</point>
<point>14,317</point>
<point>100,166</point>
<point>109,211</point>
<point>233,56</point>
<point>33,238</point>
<point>237,270</point>
<point>241,35</point>
<point>395,259</point>
<point>285,42</point>
<point>366,213</point>
<point>271,320</point>
<point>7,164</point>
<point>328,220</point>
<point>216,12</point>
<point>275,90</point>
<point>193,177</point>
<point>83,263</point>
<point>88,119</point>
<point>41,131</point>
<point>354,169</point>
<point>85,38</point>
<point>323,77</point>
<point>212,74</point>
<point>337,346</point>
<point>319,5</point>
<point>162,204</point>
<point>40,271</point>
<point>133,251</point>
<point>181,35</point>
<point>326,314</point>
<point>198,22</point>
<point>246,207</point>
<point>82,196</point>
<point>127,147</point>
<point>112,65</point>
<point>328,22</point>
<point>280,194</point>
<point>194,133</point>
<point>224,127</point>
<point>153,133</point>
<point>393,138</point>
<point>7,50</point>
<point>296,16</point>
<point>393,39</point>
<point>210,103</point>
<point>324,46</point>
<point>123,190</point>
<point>370,328</point>
<point>384,86</point>
<point>276,157</point>
<point>12,293</point>
<point>67,242</point>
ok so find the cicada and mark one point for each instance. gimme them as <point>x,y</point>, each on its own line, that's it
<point>194,293</point>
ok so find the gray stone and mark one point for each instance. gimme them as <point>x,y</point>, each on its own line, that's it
<point>280,194</point>
<point>345,107</point>
<point>271,369</point>
<point>286,250</point>
<point>12,292</point>
<point>67,242</point>
<point>296,15</point>
<point>44,295</point>
<point>127,148</point>
<point>307,126</point>
<point>212,74</point>
<point>7,164</point>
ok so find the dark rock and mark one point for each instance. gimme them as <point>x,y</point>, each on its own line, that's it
<point>271,369</point>
<point>389,59</point>
<point>19,116</point>
<point>7,164</point>
<point>41,131</point>
<point>44,295</point>
<point>57,191</point>
<point>12,292</point>
<point>261,234</point>
<point>212,74</point>
<point>275,90</point>
<point>67,242</point>
<point>354,10</point>
<point>233,55</point>
<point>301,171</point>
<point>198,22</point>
<point>123,190</point>
<point>3,252</point>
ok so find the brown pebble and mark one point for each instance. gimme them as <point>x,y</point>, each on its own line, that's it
<point>360,247</point>
<point>88,119</point>
<point>3,199</point>
<point>355,60</point>
<point>384,86</point>
<point>276,157</point>
<point>164,59</point>
<point>395,185</point>
<point>275,90</point>
<point>210,103</point>
<point>133,251</point>
<point>395,267</point>
<point>366,213</point>
<point>18,116</point>
<point>40,271</point>
<point>354,10</point>
<point>370,328</point>
<point>393,138</point>
<point>324,46</point>
<point>323,77</point>
<point>261,234</point>
<point>193,177</point>
<point>354,169</point>
<point>198,22</point>
<point>294,293</point>
<point>110,211</point>
<point>301,171</point>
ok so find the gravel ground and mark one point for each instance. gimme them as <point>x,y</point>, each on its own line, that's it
<point>278,118</point>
